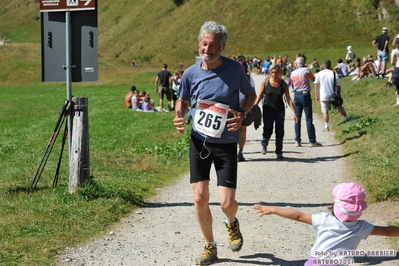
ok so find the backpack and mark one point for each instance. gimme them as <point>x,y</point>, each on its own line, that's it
<point>335,99</point>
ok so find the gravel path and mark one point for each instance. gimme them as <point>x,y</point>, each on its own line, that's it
<point>165,231</point>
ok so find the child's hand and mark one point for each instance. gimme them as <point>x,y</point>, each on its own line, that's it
<point>283,212</point>
<point>262,210</point>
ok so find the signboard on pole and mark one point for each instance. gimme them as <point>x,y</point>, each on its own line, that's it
<point>67,5</point>
<point>84,44</point>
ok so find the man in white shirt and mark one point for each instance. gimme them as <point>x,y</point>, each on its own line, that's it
<point>324,89</point>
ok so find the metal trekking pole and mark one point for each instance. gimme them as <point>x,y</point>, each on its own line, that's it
<point>57,172</point>
<point>50,145</point>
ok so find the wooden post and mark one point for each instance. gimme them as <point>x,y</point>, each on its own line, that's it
<point>80,159</point>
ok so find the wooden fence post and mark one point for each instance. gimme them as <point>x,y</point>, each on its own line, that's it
<point>80,158</point>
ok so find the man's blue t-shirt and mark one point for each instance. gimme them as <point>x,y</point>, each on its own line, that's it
<point>221,85</point>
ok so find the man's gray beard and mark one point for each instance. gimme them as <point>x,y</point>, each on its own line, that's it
<point>209,60</point>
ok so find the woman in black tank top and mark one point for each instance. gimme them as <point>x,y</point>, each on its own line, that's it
<point>272,93</point>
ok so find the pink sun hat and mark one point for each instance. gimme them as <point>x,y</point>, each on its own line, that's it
<point>349,201</point>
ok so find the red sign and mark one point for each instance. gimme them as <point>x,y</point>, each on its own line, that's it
<point>67,5</point>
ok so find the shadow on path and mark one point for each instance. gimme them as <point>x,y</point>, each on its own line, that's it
<point>279,204</point>
<point>252,260</point>
<point>301,160</point>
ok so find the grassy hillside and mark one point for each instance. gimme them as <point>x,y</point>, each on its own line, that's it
<point>153,31</point>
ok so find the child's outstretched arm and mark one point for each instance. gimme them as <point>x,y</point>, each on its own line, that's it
<point>385,231</point>
<point>283,212</point>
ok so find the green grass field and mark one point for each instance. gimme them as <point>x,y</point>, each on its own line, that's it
<point>132,154</point>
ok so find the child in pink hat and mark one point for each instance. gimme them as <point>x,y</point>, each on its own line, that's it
<point>337,233</point>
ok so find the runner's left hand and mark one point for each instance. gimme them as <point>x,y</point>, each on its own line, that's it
<point>234,123</point>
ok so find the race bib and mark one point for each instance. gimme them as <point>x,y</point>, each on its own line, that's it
<point>210,118</point>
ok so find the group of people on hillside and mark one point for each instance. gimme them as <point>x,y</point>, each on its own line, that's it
<point>258,66</point>
<point>138,101</point>
<point>356,66</point>
<point>218,93</point>
<point>327,90</point>
<point>275,97</point>
<point>370,67</point>
<point>166,85</point>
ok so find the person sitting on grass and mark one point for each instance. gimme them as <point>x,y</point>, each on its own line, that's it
<point>128,97</point>
<point>146,106</point>
<point>314,64</point>
<point>341,69</point>
<point>389,74</point>
<point>374,62</point>
<point>352,70</point>
<point>338,232</point>
<point>366,70</point>
<point>136,101</point>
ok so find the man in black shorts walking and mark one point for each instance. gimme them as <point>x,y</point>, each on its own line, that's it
<point>162,86</point>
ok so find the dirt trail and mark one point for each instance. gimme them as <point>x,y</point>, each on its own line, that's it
<point>165,232</point>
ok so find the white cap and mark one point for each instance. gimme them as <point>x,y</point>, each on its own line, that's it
<point>349,48</point>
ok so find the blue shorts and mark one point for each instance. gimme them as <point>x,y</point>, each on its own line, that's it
<point>382,56</point>
<point>223,156</point>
